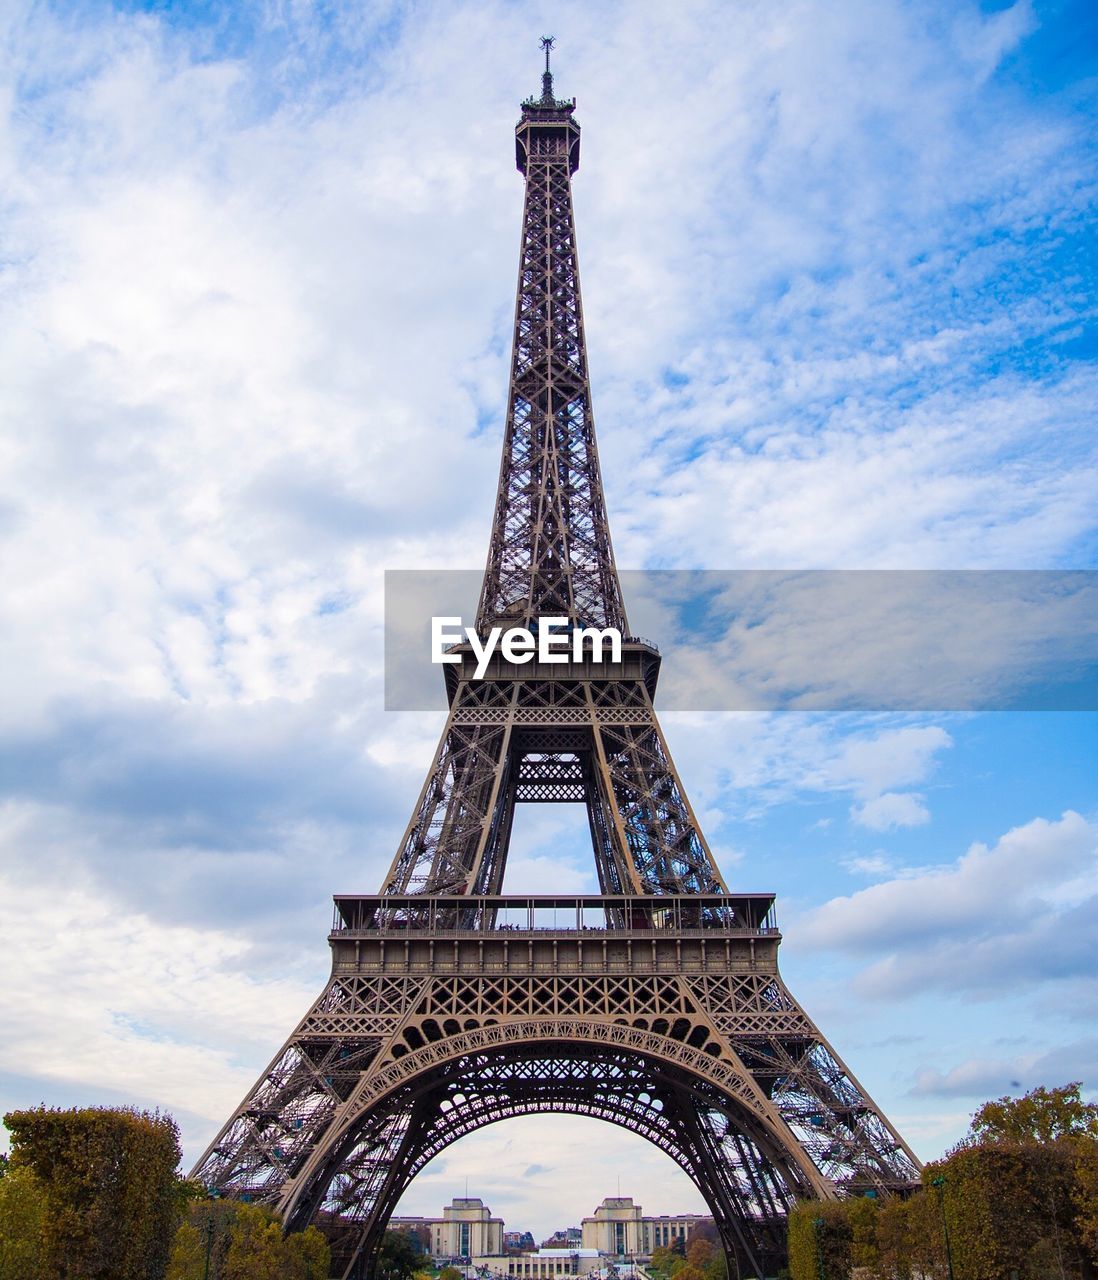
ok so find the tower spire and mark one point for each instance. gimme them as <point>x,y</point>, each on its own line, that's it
<point>547,43</point>
<point>550,552</point>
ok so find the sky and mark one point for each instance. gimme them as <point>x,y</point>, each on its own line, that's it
<point>256,293</point>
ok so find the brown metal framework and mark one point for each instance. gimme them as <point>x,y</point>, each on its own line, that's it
<point>656,1005</point>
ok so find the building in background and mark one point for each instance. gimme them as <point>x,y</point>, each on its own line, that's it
<point>418,1228</point>
<point>620,1228</point>
<point>565,1238</point>
<point>518,1242</point>
<point>545,1264</point>
<point>465,1230</point>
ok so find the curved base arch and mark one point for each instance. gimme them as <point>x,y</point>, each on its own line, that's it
<point>709,1132</point>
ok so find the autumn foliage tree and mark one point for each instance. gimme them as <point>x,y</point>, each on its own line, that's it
<point>23,1215</point>
<point>109,1182</point>
<point>1018,1196</point>
<point>244,1242</point>
<point>255,1245</point>
<point>1014,1189</point>
<point>699,1258</point>
<point>93,1194</point>
<point>188,1255</point>
<point>820,1237</point>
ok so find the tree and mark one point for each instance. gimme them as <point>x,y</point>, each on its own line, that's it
<point>820,1237</point>
<point>256,1250</point>
<point>449,1273</point>
<point>862,1213</point>
<point>1086,1194</point>
<point>662,1258</point>
<point>1041,1115</point>
<point>188,1256</point>
<point>399,1256</point>
<point>687,1271</point>
<point>23,1214</point>
<point>110,1183</point>
<point>1027,1173</point>
<point>700,1252</point>
<point>909,1239</point>
<point>307,1255</point>
<point>1018,1197</point>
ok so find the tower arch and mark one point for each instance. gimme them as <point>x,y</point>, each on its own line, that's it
<point>719,1141</point>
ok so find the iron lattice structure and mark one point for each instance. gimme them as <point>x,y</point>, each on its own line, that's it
<point>656,1005</point>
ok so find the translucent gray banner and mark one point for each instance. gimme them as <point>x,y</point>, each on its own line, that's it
<point>815,640</point>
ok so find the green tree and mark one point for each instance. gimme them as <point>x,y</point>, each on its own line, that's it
<point>188,1256</point>
<point>1019,1197</point>
<point>909,1239</point>
<point>820,1237</point>
<point>110,1182</point>
<point>862,1213</point>
<point>256,1250</point>
<point>1011,1207</point>
<point>23,1215</point>
<point>307,1254</point>
<point>213,1220</point>
<point>662,1258</point>
<point>687,1271</point>
<point>449,1273</point>
<point>893,1241</point>
<point>399,1256</point>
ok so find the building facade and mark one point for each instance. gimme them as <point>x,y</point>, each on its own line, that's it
<point>518,1242</point>
<point>619,1228</point>
<point>565,1238</point>
<point>544,1264</point>
<point>465,1230</point>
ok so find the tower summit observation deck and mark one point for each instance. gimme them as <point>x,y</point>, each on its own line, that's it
<point>655,1005</point>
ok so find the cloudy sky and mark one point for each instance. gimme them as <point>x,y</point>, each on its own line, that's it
<point>256,290</point>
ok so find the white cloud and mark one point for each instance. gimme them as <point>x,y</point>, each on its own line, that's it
<point>746,764</point>
<point>874,865</point>
<point>171,1016</point>
<point>988,1077</point>
<point>877,640</point>
<point>891,810</point>
<point>996,920</point>
<point>874,763</point>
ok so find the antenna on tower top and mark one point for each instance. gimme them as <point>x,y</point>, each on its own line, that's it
<point>547,43</point>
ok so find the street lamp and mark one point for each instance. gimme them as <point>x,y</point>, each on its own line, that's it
<point>940,1182</point>
<point>212,1193</point>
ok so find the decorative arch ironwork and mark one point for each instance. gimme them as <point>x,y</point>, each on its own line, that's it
<point>721,1143</point>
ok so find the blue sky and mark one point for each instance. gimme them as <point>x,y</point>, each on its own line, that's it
<point>256,293</point>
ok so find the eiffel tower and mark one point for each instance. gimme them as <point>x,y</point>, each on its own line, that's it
<point>657,1004</point>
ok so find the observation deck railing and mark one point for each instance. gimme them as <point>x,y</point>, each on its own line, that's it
<point>516,916</point>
